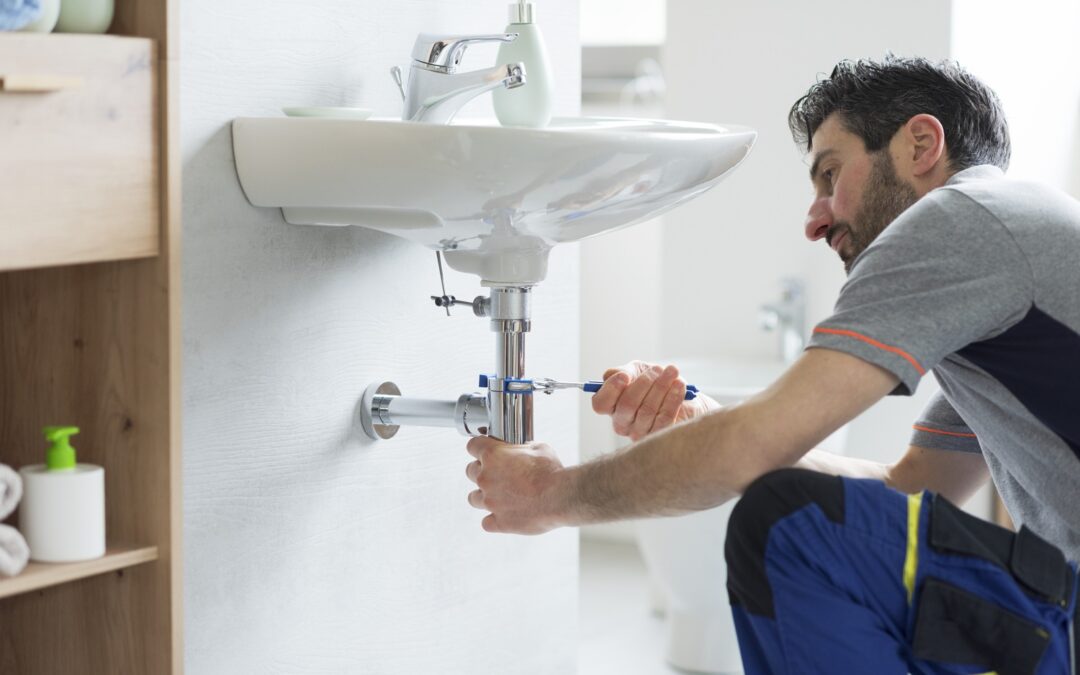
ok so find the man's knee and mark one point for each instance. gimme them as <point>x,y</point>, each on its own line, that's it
<point>768,500</point>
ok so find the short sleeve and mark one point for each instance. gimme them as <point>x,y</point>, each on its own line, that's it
<point>946,273</point>
<point>940,427</point>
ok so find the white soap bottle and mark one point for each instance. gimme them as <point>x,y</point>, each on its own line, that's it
<point>62,514</point>
<point>530,105</point>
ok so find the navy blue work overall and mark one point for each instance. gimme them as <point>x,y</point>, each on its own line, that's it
<point>838,575</point>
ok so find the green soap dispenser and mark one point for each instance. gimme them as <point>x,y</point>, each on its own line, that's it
<point>60,454</point>
<point>530,105</point>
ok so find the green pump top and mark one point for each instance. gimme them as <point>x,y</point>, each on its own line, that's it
<point>60,454</point>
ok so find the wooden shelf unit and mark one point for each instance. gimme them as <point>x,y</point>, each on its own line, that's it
<point>39,576</point>
<point>90,332</point>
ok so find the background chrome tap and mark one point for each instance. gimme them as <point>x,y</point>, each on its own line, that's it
<point>788,318</point>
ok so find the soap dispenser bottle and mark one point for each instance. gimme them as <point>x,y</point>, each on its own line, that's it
<point>62,514</point>
<point>530,105</point>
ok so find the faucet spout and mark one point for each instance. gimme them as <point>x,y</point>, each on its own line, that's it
<point>435,96</point>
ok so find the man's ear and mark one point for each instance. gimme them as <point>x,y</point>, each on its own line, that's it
<point>926,140</point>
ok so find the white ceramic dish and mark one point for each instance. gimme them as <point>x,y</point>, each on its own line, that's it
<point>327,111</point>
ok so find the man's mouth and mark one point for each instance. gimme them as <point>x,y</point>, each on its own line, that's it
<point>835,237</point>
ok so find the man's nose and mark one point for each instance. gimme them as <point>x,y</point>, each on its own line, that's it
<point>818,219</point>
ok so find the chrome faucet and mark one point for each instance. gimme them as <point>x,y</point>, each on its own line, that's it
<point>788,317</point>
<point>436,91</point>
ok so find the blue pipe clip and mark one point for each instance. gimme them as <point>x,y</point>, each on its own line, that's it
<point>508,385</point>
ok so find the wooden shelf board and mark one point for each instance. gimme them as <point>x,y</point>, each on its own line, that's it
<point>42,575</point>
<point>86,149</point>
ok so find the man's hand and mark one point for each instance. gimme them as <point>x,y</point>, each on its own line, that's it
<point>519,484</point>
<point>642,398</point>
<point>688,467</point>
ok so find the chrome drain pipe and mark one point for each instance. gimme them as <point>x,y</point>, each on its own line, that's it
<point>511,411</point>
<point>383,410</point>
<point>505,410</point>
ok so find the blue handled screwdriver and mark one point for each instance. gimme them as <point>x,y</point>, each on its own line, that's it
<point>593,386</point>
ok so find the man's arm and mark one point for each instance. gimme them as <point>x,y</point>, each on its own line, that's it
<point>952,474</point>
<point>706,461</point>
<point>691,466</point>
<point>650,398</point>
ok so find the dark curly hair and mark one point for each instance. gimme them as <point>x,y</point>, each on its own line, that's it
<point>875,98</point>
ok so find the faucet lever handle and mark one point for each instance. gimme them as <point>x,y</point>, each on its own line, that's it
<point>445,52</point>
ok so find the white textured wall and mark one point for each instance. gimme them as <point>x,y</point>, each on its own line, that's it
<point>309,549</point>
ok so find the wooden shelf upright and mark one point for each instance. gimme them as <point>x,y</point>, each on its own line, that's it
<point>90,330</point>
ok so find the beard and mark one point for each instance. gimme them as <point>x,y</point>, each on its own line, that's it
<point>885,198</point>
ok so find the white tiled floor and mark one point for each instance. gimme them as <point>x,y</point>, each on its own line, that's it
<point>619,633</point>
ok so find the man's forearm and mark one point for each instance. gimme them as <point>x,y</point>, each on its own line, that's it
<point>954,475</point>
<point>687,467</point>
<point>683,469</point>
<point>703,463</point>
<point>837,465</point>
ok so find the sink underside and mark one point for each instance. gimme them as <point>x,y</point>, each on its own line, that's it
<point>494,199</point>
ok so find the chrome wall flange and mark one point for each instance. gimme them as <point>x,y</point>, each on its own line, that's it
<point>374,406</point>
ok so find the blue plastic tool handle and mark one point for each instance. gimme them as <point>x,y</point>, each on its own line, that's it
<point>594,386</point>
<point>485,382</point>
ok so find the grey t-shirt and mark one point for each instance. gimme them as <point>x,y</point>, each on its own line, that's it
<point>979,281</point>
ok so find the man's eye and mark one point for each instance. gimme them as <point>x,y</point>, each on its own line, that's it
<point>828,174</point>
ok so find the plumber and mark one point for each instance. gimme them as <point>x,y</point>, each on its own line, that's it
<point>841,565</point>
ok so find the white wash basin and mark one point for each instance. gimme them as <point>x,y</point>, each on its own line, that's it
<point>494,199</point>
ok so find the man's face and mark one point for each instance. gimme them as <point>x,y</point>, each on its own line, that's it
<point>856,193</point>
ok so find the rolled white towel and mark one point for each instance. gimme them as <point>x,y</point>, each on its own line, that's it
<point>10,491</point>
<point>14,553</point>
<point>15,14</point>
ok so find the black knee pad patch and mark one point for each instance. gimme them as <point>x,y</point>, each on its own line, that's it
<point>769,499</point>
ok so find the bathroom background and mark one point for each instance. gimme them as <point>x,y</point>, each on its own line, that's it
<point>689,287</point>
<point>311,550</point>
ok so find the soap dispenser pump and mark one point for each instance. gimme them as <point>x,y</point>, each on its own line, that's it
<point>530,105</point>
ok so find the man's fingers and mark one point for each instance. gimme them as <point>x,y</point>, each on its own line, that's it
<point>489,524</point>
<point>669,409</point>
<point>476,499</point>
<point>633,369</point>
<point>473,446</point>
<point>653,401</point>
<point>631,399</point>
<point>603,402</point>
<point>616,380</point>
<point>611,371</point>
<point>472,470</point>
<point>479,445</point>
